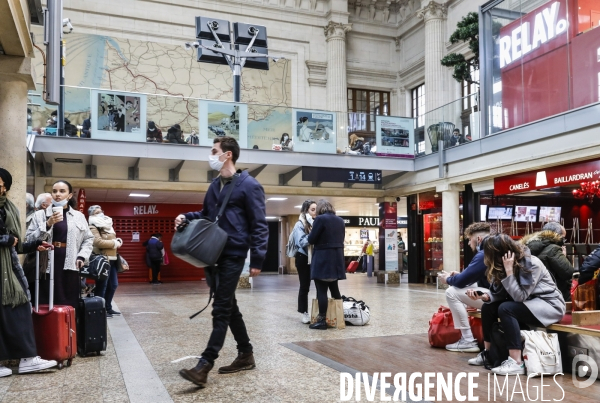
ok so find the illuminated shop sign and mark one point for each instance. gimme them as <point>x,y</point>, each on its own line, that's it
<point>535,30</point>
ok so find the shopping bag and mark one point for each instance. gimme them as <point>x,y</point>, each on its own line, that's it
<point>441,328</point>
<point>335,314</point>
<point>583,296</point>
<point>541,353</point>
<point>356,313</point>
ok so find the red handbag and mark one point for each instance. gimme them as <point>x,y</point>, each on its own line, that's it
<point>441,328</point>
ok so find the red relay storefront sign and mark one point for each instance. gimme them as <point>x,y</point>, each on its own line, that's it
<point>548,178</point>
<point>550,61</point>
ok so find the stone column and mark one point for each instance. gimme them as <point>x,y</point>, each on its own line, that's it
<point>451,225</point>
<point>15,79</point>
<point>434,15</point>
<point>337,89</point>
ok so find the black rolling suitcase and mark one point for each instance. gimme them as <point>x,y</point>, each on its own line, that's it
<point>91,326</point>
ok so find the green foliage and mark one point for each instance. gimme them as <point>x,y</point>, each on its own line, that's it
<point>467,30</point>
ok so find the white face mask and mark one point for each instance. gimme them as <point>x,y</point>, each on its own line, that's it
<point>215,163</point>
<point>151,130</point>
<point>54,118</point>
<point>309,219</point>
<point>61,203</point>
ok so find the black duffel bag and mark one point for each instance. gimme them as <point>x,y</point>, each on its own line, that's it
<point>200,242</point>
<point>98,268</point>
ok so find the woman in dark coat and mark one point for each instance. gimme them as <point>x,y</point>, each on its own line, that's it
<point>327,264</point>
<point>17,339</point>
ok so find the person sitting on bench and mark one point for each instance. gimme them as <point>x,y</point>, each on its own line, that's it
<point>456,295</point>
<point>522,293</point>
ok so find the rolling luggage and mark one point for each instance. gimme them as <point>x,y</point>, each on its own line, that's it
<point>91,326</point>
<point>353,266</point>
<point>54,326</point>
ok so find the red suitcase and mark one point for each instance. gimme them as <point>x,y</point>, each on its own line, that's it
<point>352,267</point>
<point>54,326</point>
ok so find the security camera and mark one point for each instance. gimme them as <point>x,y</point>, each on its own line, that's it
<point>67,23</point>
<point>190,45</point>
<point>213,24</point>
<point>398,199</point>
<point>253,31</point>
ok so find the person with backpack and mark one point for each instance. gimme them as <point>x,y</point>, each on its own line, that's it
<point>522,293</point>
<point>154,256</point>
<point>304,253</point>
<point>105,243</point>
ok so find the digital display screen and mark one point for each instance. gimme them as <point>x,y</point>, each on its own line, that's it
<point>483,212</point>
<point>500,212</point>
<point>548,214</point>
<point>526,213</point>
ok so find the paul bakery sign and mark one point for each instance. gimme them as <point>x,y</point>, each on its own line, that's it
<point>537,30</point>
<point>548,178</point>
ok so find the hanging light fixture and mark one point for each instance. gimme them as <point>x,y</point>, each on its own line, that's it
<point>588,191</point>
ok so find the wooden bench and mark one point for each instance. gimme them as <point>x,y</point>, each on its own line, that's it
<point>580,322</point>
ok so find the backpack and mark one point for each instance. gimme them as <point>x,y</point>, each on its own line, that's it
<point>498,351</point>
<point>356,313</point>
<point>291,248</point>
<point>97,269</point>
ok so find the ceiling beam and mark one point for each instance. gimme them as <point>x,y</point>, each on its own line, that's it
<point>45,167</point>
<point>285,178</point>
<point>174,172</point>
<point>304,191</point>
<point>133,173</point>
<point>256,171</point>
<point>386,180</point>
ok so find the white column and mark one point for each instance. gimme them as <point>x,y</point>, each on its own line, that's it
<point>451,226</point>
<point>434,15</point>
<point>14,81</point>
<point>337,96</point>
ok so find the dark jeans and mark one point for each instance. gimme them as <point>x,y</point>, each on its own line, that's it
<point>304,276</point>
<point>322,287</point>
<point>107,288</point>
<point>514,316</point>
<point>223,279</point>
<point>155,269</point>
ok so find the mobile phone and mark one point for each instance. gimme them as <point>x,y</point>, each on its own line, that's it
<point>479,293</point>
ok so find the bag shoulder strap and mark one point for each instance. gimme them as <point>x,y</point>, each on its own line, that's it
<point>227,196</point>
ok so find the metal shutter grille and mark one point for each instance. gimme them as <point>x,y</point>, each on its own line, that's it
<point>134,252</point>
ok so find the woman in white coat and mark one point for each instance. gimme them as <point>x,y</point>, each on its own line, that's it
<point>66,229</point>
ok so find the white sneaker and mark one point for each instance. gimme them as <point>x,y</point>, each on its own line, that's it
<point>479,360</point>
<point>5,371</point>
<point>510,367</point>
<point>305,317</point>
<point>463,346</point>
<point>35,364</point>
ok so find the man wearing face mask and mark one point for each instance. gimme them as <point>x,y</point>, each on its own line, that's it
<point>474,278</point>
<point>246,225</point>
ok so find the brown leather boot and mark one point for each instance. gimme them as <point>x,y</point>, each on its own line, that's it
<point>199,374</point>
<point>244,361</point>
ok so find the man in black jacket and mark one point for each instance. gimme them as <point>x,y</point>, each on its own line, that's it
<point>244,220</point>
<point>547,245</point>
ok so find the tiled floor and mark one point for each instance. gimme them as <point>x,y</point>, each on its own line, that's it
<point>158,318</point>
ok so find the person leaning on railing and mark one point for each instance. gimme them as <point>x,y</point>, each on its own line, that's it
<point>522,293</point>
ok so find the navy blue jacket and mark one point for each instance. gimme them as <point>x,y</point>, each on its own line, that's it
<point>474,273</point>
<point>154,249</point>
<point>244,218</point>
<point>327,236</point>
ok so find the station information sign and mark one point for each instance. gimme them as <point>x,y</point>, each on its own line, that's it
<point>316,174</point>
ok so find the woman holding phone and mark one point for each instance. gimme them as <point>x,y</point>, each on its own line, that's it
<point>522,293</point>
<point>67,230</point>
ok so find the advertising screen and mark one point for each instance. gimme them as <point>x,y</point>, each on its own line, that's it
<point>548,214</point>
<point>500,212</point>
<point>526,213</point>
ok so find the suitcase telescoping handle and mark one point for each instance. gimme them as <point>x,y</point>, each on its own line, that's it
<point>37,280</point>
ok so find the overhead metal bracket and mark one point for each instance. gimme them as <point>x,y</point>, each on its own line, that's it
<point>91,171</point>
<point>134,171</point>
<point>174,172</point>
<point>285,178</point>
<point>254,173</point>
<point>316,184</point>
<point>348,185</point>
<point>210,175</point>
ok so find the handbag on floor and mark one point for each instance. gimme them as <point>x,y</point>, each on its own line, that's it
<point>441,328</point>
<point>356,313</point>
<point>541,353</point>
